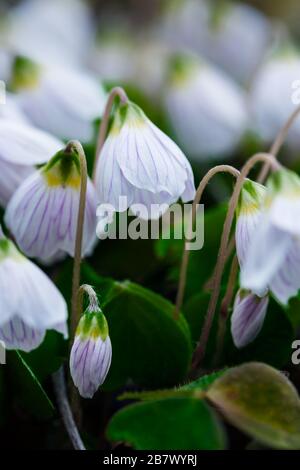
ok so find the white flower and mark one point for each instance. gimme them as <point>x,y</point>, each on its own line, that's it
<point>207,110</point>
<point>42,214</point>
<point>138,161</point>
<point>248,213</point>
<point>273,256</point>
<point>59,31</point>
<point>91,353</point>
<point>60,100</point>
<point>248,316</point>
<point>11,110</point>
<point>21,148</point>
<point>30,304</point>
<point>214,29</point>
<point>272,99</point>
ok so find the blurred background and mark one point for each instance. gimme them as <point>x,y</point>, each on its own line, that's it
<point>218,76</point>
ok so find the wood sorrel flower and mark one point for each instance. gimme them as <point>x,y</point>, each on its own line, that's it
<point>91,352</point>
<point>72,98</point>
<point>274,96</point>
<point>139,162</point>
<point>273,258</point>
<point>248,212</point>
<point>59,31</point>
<point>21,148</point>
<point>30,304</point>
<point>42,214</point>
<point>248,316</point>
<point>207,109</point>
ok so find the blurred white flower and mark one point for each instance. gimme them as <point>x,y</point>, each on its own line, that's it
<point>272,101</point>
<point>21,148</point>
<point>113,56</point>
<point>30,304</point>
<point>59,100</point>
<point>142,163</point>
<point>91,352</point>
<point>248,316</point>
<point>273,257</point>
<point>234,36</point>
<point>11,110</point>
<point>56,31</point>
<point>42,214</point>
<point>207,110</point>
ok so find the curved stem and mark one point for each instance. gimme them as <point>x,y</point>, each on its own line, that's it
<point>221,260</point>
<point>75,145</point>
<point>278,142</point>
<point>117,91</point>
<point>93,299</point>
<point>60,390</point>
<point>186,253</point>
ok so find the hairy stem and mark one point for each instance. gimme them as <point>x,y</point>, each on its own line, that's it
<point>60,390</point>
<point>278,142</point>
<point>186,253</point>
<point>117,91</point>
<point>75,145</point>
<point>221,259</point>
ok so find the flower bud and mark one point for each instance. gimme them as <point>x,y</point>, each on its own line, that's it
<point>91,352</point>
<point>248,316</point>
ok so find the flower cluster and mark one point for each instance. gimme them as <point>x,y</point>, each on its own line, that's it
<point>268,249</point>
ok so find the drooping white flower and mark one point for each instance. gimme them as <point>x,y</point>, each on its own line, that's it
<point>207,110</point>
<point>248,316</point>
<point>248,213</point>
<point>234,36</point>
<point>139,162</point>
<point>60,100</point>
<point>272,260</point>
<point>42,214</point>
<point>21,148</point>
<point>30,304</point>
<point>274,96</point>
<point>91,352</point>
<point>59,31</point>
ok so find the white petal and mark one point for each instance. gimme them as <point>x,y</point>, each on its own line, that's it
<point>43,219</point>
<point>89,364</point>
<point>11,177</point>
<point>285,214</point>
<point>26,292</point>
<point>24,145</point>
<point>148,161</point>
<point>286,282</point>
<point>110,182</point>
<point>17,335</point>
<point>73,101</point>
<point>267,251</point>
<point>245,230</point>
<point>248,316</point>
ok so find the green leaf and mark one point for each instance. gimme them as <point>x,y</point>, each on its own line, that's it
<point>48,357</point>
<point>202,261</point>
<point>168,424</point>
<point>260,401</point>
<point>204,382</point>
<point>27,388</point>
<point>293,312</point>
<point>149,346</point>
